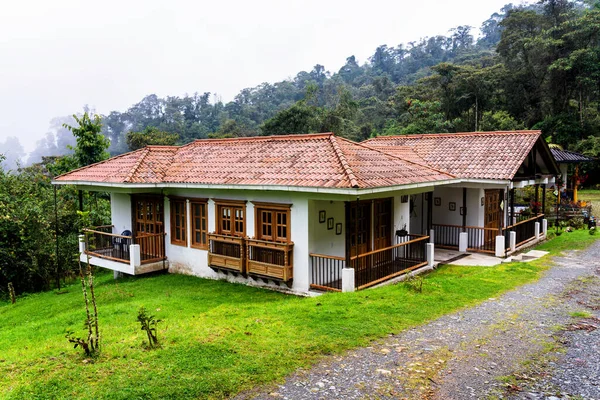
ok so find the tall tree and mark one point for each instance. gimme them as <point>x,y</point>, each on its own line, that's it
<point>91,144</point>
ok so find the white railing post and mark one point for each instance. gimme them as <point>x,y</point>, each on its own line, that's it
<point>536,229</point>
<point>463,242</point>
<point>431,236</point>
<point>81,244</point>
<point>544,227</point>
<point>348,283</point>
<point>430,248</point>
<point>135,258</point>
<point>513,240</point>
<point>500,246</point>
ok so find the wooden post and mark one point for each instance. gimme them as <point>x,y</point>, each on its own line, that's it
<point>348,212</point>
<point>512,206</point>
<point>56,238</point>
<point>429,212</point>
<point>543,199</point>
<point>80,194</point>
<point>537,196</point>
<point>464,207</point>
<point>575,183</point>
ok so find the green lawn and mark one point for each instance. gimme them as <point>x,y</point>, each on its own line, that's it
<point>220,338</point>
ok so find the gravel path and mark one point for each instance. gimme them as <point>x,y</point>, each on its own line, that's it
<point>510,347</point>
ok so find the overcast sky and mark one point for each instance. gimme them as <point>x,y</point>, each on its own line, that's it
<point>56,56</point>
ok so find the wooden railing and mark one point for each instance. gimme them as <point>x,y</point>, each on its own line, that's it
<point>152,247</point>
<point>446,236</point>
<point>112,246</point>
<point>380,265</point>
<point>326,272</point>
<point>270,259</point>
<point>525,230</point>
<point>481,239</point>
<point>226,252</point>
<point>102,243</point>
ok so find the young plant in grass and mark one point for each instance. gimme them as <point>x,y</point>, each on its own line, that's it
<point>149,324</point>
<point>11,293</point>
<point>90,344</point>
<point>414,282</point>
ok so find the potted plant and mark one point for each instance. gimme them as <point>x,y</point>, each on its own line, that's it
<point>402,232</point>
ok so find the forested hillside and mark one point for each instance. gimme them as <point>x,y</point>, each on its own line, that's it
<point>530,67</point>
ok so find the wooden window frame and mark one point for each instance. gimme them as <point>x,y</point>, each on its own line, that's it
<point>273,209</point>
<point>233,205</point>
<point>183,228</point>
<point>141,224</point>
<point>198,245</point>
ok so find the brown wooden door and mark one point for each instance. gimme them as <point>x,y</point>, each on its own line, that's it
<point>493,213</point>
<point>383,223</point>
<point>149,215</point>
<point>360,228</point>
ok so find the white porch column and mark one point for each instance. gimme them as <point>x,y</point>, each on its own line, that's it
<point>135,258</point>
<point>250,222</point>
<point>536,229</point>
<point>513,240</point>
<point>463,242</point>
<point>348,284</point>
<point>431,236</point>
<point>430,253</point>
<point>544,226</point>
<point>500,246</point>
<point>81,244</point>
<point>188,223</point>
<point>211,216</point>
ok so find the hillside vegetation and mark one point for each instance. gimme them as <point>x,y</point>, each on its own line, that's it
<point>534,66</point>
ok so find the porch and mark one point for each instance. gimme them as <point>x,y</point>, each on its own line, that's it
<point>372,268</point>
<point>369,245</point>
<point>125,253</point>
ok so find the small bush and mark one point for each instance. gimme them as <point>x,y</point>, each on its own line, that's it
<point>414,282</point>
<point>576,223</point>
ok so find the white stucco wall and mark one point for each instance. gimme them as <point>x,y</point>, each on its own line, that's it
<point>475,211</point>
<point>307,234</point>
<point>401,215</point>
<point>188,260</point>
<point>120,211</point>
<point>322,240</point>
<point>442,214</point>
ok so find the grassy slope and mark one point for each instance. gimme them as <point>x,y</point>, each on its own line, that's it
<point>220,338</point>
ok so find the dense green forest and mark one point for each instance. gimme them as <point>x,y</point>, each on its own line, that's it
<point>534,66</point>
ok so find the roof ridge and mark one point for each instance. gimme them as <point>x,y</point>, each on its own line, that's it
<point>445,134</point>
<point>298,136</point>
<point>402,159</point>
<point>98,163</point>
<point>342,159</point>
<point>137,164</point>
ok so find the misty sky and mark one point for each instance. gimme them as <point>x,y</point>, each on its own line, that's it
<point>56,56</point>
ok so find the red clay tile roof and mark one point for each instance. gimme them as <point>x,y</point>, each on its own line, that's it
<point>317,160</point>
<point>477,155</point>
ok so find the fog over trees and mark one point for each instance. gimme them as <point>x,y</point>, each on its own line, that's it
<point>533,67</point>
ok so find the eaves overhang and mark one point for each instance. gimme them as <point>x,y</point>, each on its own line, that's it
<point>108,186</point>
